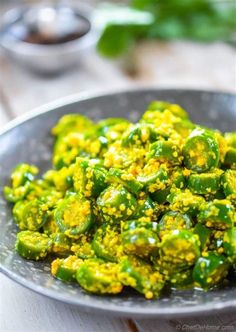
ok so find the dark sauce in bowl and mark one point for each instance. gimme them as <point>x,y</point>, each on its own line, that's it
<point>49,26</point>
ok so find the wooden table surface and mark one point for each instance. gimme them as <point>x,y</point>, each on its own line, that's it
<point>178,64</point>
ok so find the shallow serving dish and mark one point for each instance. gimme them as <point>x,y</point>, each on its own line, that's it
<point>29,140</point>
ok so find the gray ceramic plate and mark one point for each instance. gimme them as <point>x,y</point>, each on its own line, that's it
<point>28,140</point>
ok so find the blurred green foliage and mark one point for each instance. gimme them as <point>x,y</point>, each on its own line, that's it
<point>200,20</point>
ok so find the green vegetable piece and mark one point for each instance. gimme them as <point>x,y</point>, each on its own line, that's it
<point>230,158</point>
<point>204,183</point>
<point>181,279</point>
<point>106,243</point>
<point>17,211</point>
<point>128,180</point>
<point>138,274</point>
<point>21,177</point>
<point>228,183</point>
<point>180,248</point>
<point>62,179</point>
<point>122,157</point>
<point>154,179</point>
<point>65,269</point>
<point>174,179</point>
<point>23,173</point>
<point>50,225</point>
<point>139,134</point>
<point>217,241</point>
<point>184,127</point>
<point>32,245</point>
<point>74,216</point>
<point>173,220</point>
<point>218,214</point>
<point>166,151</point>
<point>89,177</point>
<point>160,196</point>
<point>67,148</point>
<point>159,105</point>
<point>116,203</point>
<point>185,202</point>
<point>201,151</point>
<point>229,243</point>
<point>49,199</point>
<point>139,237</point>
<point>204,235</point>
<point>71,123</point>
<point>98,277</point>
<point>146,209</point>
<point>210,270</point>
<point>231,139</point>
<point>178,179</point>
<point>14,195</point>
<point>61,244</point>
<point>83,247</point>
<point>112,128</point>
<point>34,215</point>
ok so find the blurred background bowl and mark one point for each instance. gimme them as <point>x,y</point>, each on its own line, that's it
<point>66,33</point>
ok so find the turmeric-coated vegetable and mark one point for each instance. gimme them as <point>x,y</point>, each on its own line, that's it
<point>147,205</point>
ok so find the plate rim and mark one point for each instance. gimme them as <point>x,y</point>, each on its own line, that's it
<point>88,306</point>
<point>86,95</point>
<point>116,310</point>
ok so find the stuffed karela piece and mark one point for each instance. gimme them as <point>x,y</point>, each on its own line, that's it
<point>204,234</point>
<point>173,220</point>
<point>230,158</point>
<point>62,179</point>
<point>166,152</point>
<point>185,202</point>
<point>228,182</point>
<point>21,177</point>
<point>116,203</point>
<point>230,139</point>
<point>140,134</point>
<point>65,269</point>
<point>147,209</point>
<point>139,237</point>
<point>229,244</point>
<point>175,179</point>
<point>153,177</point>
<point>83,248</point>
<point>201,151</point>
<point>218,214</point>
<point>112,128</point>
<point>89,177</point>
<point>205,183</point>
<point>161,106</point>
<point>61,244</point>
<point>33,245</point>
<point>107,243</point>
<point>33,215</point>
<point>71,123</point>
<point>128,180</point>
<point>118,156</point>
<point>210,270</point>
<point>138,274</point>
<point>74,215</point>
<point>180,249</point>
<point>181,279</point>
<point>99,277</point>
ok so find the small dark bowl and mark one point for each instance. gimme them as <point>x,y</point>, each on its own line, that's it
<point>46,58</point>
<point>28,140</point>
